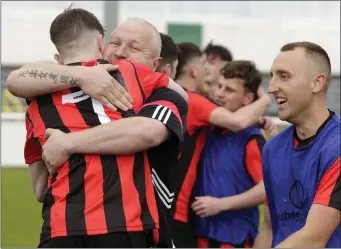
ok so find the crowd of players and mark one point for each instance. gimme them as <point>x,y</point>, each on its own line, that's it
<point>146,143</point>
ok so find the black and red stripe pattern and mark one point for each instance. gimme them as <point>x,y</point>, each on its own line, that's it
<point>93,194</point>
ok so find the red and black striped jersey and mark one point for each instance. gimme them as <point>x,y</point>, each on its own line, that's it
<point>95,194</point>
<point>199,111</point>
<point>169,108</point>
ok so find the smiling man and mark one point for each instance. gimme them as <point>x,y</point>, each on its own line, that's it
<point>230,187</point>
<point>301,165</point>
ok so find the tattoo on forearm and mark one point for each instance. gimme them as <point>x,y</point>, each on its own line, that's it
<point>56,78</point>
<point>64,79</point>
<point>53,77</point>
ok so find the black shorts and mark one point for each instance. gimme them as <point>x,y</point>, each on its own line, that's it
<point>211,243</point>
<point>183,234</point>
<point>110,240</point>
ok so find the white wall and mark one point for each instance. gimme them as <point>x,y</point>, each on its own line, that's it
<point>251,29</point>
<point>25,28</point>
<point>13,134</point>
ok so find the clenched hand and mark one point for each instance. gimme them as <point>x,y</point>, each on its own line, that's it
<point>205,206</point>
<point>55,152</point>
<point>269,126</point>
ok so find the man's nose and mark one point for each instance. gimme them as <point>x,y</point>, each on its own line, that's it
<point>273,88</point>
<point>121,52</point>
<point>219,94</point>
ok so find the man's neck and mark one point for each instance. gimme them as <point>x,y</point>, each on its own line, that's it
<point>188,83</point>
<point>81,58</point>
<point>311,120</point>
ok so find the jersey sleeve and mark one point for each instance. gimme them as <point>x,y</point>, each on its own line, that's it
<point>266,203</point>
<point>168,107</point>
<point>153,81</point>
<point>32,149</point>
<point>149,79</point>
<point>329,190</point>
<point>199,111</point>
<point>253,158</point>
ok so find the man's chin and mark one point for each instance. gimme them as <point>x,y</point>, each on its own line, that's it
<point>208,80</point>
<point>283,116</point>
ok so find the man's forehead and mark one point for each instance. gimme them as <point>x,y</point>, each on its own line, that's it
<point>129,28</point>
<point>289,61</point>
<point>232,82</point>
<point>212,57</point>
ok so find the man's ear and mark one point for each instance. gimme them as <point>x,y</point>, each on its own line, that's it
<point>319,83</point>
<point>156,62</point>
<point>192,72</point>
<point>166,69</point>
<point>59,59</point>
<point>100,44</point>
<point>248,98</point>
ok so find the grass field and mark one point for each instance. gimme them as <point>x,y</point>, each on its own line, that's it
<point>20,212</point>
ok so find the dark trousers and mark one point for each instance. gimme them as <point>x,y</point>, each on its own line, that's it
<point>183,234</point>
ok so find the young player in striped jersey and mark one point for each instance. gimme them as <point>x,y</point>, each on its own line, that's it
<point>93,214</point>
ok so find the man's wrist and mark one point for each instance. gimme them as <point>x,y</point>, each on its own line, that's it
<point>267,99</point>
<point>70,143</point>
<point>223,204</point>
<point>77,74</point>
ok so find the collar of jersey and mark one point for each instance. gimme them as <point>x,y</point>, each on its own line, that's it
<point>100,61</point>
<point>305,143</point>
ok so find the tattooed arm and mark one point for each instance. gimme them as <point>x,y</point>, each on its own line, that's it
<point>44,78</point>
<point>41,78</point>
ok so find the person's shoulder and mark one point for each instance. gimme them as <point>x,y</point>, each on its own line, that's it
<point>193,94</point>
<point>165,93</point>
<point>252,130</point>
<point>279,139</point>
<point>134,64</point>
<point>196,97</point>
<point>331,133</point>
<point>334,124</point>
<point>329,142</point>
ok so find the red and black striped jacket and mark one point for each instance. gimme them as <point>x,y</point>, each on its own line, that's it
<point>96,194</point>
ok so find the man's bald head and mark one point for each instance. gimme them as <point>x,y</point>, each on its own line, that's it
<point>151,31</point>
<point>137,40</point>
<point>318,58</point>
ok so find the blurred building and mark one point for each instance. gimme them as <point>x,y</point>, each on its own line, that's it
<point>250,29</point>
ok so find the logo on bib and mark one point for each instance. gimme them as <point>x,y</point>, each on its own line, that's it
<point>297,195</point>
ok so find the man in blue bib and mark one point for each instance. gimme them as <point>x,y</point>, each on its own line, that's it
<point>230,187</point>
<point>301,165</point>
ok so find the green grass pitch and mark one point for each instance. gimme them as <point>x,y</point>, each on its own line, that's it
<point>20,212</point>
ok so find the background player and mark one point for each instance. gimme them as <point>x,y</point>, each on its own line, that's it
<point>215,58</point>
<point>230,187</point>
<point>190,72</point>
<point>169,54</point>
<point>301,165</point>
<point>201,114</point>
